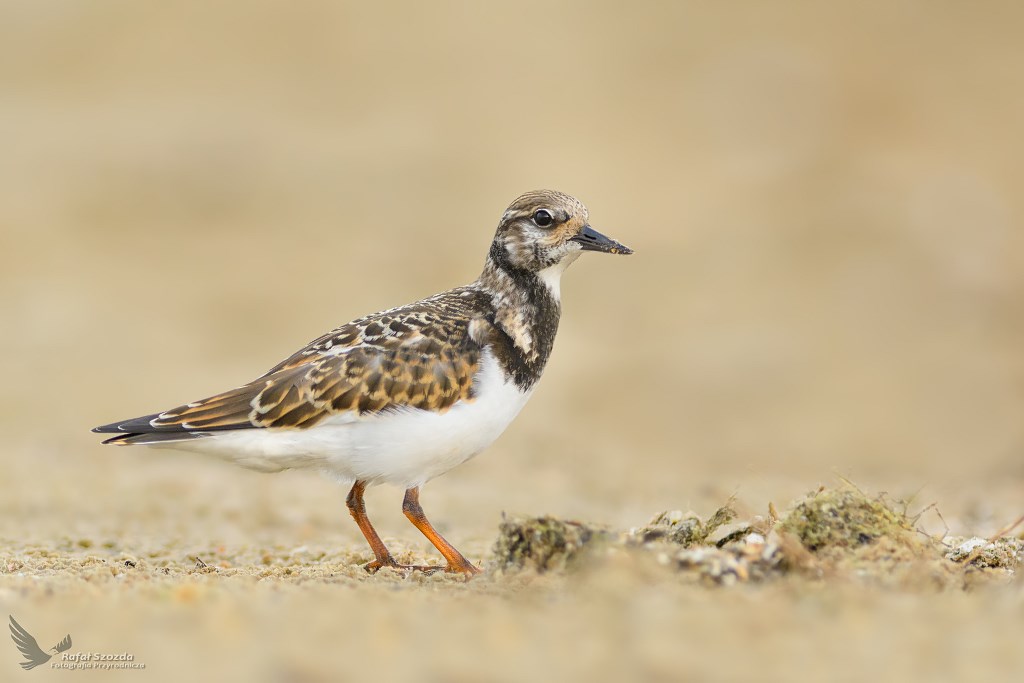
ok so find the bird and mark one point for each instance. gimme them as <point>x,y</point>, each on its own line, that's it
<point>404,395</point>
<point>34,655</point>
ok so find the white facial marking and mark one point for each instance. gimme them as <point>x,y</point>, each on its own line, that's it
<point>552,275</point>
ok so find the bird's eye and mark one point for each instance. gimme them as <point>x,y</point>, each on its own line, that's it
<point>543,218</point>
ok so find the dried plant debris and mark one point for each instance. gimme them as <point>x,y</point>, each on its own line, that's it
<point>837,534</point>
<point>1002,553</point>
<point>685,529</point>
<point>544,544</point>
<point>752,559</point>
<point>848,535</point>
<point>847,519</point>
<point>742,554</point>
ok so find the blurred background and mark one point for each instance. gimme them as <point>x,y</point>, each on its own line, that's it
<point>825,203</point>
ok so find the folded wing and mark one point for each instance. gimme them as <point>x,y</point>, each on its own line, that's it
<point>365,367</point>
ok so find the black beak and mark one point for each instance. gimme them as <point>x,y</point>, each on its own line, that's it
<point>592,240</point>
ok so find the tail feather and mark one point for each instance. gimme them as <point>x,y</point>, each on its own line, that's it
<point>143,438</point>
<point>136,424</point>
<point>142,430</point>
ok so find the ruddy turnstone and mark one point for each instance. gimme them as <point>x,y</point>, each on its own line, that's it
<point>407,394</point>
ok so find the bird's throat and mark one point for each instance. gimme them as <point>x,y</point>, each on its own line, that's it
<point>526,314</point>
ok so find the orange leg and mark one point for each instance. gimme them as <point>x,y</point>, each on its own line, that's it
<point>380,551</point>
<point>456,561</point>
<point>382,556</point>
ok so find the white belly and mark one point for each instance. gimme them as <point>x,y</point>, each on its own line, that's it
<point>406,447</point>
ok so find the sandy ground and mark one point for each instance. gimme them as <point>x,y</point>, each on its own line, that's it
<point>827,218</point>
<point>283,596</point>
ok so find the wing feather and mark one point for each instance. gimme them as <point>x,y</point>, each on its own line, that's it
<point>422,356</point>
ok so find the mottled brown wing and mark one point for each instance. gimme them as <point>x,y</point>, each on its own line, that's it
<point>364,379</point>
<point>420,356</point>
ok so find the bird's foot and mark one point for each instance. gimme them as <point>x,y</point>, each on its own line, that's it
<point>376,565</point>
<point>462,568</point>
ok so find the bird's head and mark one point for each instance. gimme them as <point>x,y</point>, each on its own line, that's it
<point>546,230</point>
